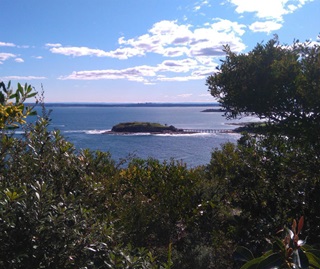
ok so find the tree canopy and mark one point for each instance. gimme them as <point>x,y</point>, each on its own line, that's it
<point>276,82</point>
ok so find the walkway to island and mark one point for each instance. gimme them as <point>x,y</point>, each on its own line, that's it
<point>207,131</point>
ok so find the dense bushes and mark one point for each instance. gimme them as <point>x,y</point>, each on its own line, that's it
<point>53,212</point>
<point>66,209</point>
<point>270,182</point>
<point>63,208</point>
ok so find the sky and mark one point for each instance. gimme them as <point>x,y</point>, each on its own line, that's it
<point>136,51</point>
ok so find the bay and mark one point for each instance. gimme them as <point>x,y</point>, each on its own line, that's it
<point>84,126</point>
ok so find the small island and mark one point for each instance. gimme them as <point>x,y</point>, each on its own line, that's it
<point>144,127</point>
<point>213,110</point>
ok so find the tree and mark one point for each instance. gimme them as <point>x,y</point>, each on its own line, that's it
<point>274,82</point>
<point>13,111</point>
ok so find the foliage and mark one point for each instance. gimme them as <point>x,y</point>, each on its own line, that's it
<point>13,111</point>
<point>61,208</point>
<point>267,182</point>
<point>64,208</point>
<point>287,253</point>
<point>271,178</point>
<point>52,206</point>
<point>274,82</point>
<point>156,203</point>
<point>139,127</point>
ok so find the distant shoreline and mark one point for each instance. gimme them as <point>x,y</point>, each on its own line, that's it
<point>214,106</point>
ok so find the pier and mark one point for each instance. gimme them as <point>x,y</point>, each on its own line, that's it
<point>207,131</point>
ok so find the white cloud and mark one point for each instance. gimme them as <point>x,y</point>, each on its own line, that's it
<point>228,27</point>
<point>178,78</point>
<point>178,66</point>
<point>201,47</point>
<point>185,95</point>
<point>5,56</point>
<point>6,44</point>
<point>201,4</point>
<point>77,51</point>
<point>267,26</point>
<point>119,53</point>
<point>23,47</point>
<point>19,60</point>
<point>268,9</point>
<point>205,95</point>
<point>53,45</point>
<point>169,39</point>
<point>131,74</point>
<point>125,53</point>
<point>208,41</point>
<point>165,71</point>
<point>23,78</point>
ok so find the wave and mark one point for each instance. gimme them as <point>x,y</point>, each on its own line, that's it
<point>90,132</point>
<point>97,132</point>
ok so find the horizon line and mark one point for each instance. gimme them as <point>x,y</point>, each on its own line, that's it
<point>130,103</point>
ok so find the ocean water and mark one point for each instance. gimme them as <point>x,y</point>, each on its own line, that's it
<point>84,126</point>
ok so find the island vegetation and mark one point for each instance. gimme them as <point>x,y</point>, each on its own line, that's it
<point>61,207</point>
<point>144,127</point>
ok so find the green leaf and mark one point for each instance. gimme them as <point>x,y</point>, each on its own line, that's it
<point>13,96</point>
<point>313,257</point>
<point>31,95</point>
<point>307,248</point>
<point>243,254</point>
<point>253,264</point>
<point>3,86</point>
<point>1,98</point>
<point>20,88</point>
<point>12,127</point>
<point>29,89</point>
<point>271,262</point>
<point>303,259</point>
<point>33,113</point>
<point>278,245</point>
<point>11,195</point>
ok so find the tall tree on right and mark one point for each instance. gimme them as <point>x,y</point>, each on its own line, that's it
<point>279,83</point>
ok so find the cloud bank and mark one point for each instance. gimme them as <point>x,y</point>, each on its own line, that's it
<point>196,50</point>
<point>185,51</point>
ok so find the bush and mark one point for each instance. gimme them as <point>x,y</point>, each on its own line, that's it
<point>268,181</point>
<point>53,206</point>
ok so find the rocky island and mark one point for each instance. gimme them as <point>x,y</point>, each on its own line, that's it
<point>144,127</point>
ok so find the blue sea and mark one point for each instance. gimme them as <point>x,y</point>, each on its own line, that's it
<point>84,126</point>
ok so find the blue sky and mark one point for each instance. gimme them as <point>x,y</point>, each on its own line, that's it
<point>138,50</point>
